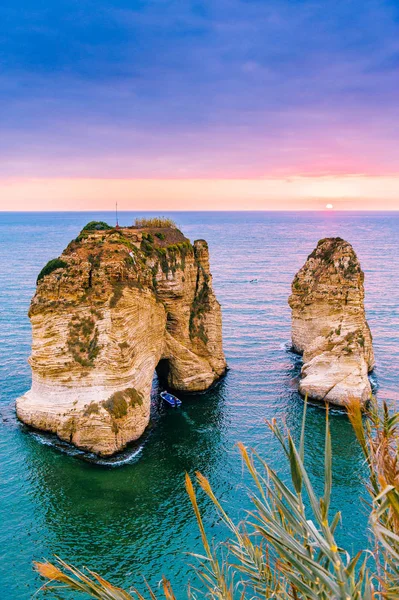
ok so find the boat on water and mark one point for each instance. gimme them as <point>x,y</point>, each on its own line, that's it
<point>170,399</point>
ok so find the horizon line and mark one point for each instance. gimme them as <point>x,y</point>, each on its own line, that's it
<point>250,210</point>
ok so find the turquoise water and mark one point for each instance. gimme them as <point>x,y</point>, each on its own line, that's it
<point>132,518</point>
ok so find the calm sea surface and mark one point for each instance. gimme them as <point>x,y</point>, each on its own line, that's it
<point>132,518</point>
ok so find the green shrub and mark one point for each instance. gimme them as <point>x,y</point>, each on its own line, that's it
<point>83,235</point>
<point>136,399</point>
<point>83,341</point>
<point>199,307</point>
<point>146,247</point>
<point>96,226</point>
<point>123,240</point>
<point>163,261</point>
<point>148,237</point>
<point>118,403</point>
<point>52,265</point>
<point>185,248</point>
<point>92,409</point>
<point>160,235</point>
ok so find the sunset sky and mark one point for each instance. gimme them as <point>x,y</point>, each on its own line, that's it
<point>190,105</point>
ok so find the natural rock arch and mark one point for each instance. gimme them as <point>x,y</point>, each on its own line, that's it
<point>163,371</point>
<point>118,303</point>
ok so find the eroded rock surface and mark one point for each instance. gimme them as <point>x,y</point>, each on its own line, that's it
<point>115,304</point>
<point>329,326</point>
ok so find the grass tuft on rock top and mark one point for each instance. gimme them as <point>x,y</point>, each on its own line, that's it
<point>286,547</point>
<point>154,222</point>
<point>52,265</point>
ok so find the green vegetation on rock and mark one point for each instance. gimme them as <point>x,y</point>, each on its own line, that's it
<point>117,295</point>
<point>52,265</point>
<point>146,246</point>
<point>170,258</point>
<point>96,226</point>
<point>117,404</point>
<point>92,409</point>
<point>83,341</point>
<point>148,237</point>
<point>199,308</point>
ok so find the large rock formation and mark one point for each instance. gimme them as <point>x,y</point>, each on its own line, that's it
<point>329,325</point>
<point>115,305</point>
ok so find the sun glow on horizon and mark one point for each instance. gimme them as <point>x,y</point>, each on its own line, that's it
<point>351,192</point>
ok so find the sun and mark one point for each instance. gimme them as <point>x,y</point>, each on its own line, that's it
<point>329,206</point>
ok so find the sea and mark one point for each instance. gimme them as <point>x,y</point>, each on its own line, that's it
<point>129,518</point>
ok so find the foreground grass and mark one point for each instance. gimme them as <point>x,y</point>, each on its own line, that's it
<point>286,547</point>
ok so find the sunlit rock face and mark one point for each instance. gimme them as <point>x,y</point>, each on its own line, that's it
<point>329,326</point>
<point>115,304</point>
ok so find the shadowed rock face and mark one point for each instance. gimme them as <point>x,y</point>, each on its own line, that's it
<point>116,303</point>
<point>329,326</point>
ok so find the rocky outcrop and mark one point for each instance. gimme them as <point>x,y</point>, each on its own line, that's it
<point>329,326</point>
<point>115,305</point>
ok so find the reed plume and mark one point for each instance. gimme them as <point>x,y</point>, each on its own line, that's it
<point>286,548</point>
<point>155,222</point>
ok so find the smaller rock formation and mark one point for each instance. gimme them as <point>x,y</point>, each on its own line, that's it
<point>329,326</point>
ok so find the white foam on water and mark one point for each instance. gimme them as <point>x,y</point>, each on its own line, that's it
<point>42,439</point>
<point>125,460</point>
<point>126,457</point>
<point>286,345</point>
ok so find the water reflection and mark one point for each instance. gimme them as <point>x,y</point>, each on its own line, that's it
<point>91,518</point>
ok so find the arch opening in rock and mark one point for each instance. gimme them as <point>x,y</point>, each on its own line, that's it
<point>162,371</point>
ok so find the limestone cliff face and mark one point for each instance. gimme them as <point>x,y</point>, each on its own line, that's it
<point>329,325</point>
<point>115,304</point>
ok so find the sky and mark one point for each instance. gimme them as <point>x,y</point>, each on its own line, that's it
<point>190,105</point>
